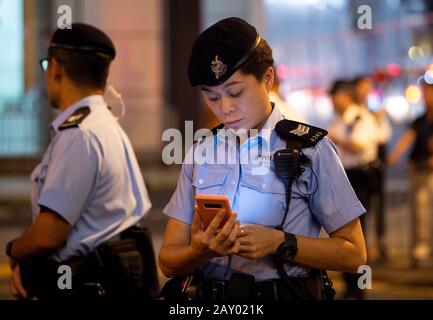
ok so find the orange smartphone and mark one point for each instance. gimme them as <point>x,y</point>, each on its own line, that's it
<point>209,205</point>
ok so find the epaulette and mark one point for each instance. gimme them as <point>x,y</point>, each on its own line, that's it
<point>75,119</point>
<point>305,133</point>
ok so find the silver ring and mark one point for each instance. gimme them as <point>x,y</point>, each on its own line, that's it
<point>242,231</point>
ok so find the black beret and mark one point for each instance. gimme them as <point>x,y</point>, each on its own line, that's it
<point>83,37</point>
<point>221,50</point>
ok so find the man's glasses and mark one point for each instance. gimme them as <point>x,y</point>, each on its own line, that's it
<point>44,64</point>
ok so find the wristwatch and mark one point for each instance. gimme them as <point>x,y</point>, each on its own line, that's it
<point>287,250</point>
<point>9,248</point>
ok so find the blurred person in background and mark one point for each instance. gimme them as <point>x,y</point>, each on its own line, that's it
<point>276,97</point>
<point>363,86</point>
<point>419,138</point>
<point>356,136</point>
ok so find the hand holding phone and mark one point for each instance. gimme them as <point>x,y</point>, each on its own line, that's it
<point>208,207</point>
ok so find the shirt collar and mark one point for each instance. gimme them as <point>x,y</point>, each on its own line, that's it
<point>265,133</point>
<point>87,101</point>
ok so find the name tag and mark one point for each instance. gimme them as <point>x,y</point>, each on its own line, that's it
<point>265,157</point>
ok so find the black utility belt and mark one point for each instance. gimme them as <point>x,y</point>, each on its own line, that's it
<point>243,287</point>
<point>239,287</point>
<point>124,266</point>
<point>91,274</point>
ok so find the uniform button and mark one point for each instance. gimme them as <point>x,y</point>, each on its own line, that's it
<point>264,186</point>
<point>200,181</point>
<point>234,181</point>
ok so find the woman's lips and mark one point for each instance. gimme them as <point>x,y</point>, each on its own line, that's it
<point>233,123</point>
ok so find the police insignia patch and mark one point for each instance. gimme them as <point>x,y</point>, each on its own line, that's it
<point>218,67</point>
<point>75,119</point>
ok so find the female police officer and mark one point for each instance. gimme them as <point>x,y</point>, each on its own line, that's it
<point>233,67</point>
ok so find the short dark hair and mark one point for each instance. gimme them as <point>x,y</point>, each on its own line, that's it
<point>361,78</point>
<point>341,86</point>
<point>85,69</point>
<point>259,62</point>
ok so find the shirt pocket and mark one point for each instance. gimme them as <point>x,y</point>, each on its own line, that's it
<point>210,181</point>
<point>262,200</point>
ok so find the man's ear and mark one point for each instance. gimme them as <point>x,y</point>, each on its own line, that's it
<point>268,78</point>
<point>56,70</point>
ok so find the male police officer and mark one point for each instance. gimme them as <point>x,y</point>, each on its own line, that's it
<point>88,188</point>
<point>419,137</point>
<point>363,86</point>
<point>266,251</point>
<point>356,134</point>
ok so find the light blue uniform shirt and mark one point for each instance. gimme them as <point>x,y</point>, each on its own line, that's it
<point>321,197</point>
<point>89,175</point>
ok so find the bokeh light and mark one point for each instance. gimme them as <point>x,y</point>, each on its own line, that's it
<point>393,69</point>
<point>415,52</point>
<point>397,107</point>
<point>413,94</point>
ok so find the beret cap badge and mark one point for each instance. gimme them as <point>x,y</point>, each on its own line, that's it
<point>218,67</point>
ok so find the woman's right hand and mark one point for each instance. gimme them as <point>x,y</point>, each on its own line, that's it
<point>214,242</point>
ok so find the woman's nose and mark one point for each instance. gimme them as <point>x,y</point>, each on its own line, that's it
<point>226,105</point>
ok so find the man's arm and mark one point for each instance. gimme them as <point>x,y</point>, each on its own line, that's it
<point>42,238</point>
<point>401,147</point>
<point>45,236</point>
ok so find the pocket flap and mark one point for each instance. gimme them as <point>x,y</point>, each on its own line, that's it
<point>263,184</point>
<point>207,178</point>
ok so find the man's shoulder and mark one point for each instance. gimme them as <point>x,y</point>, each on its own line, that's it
<point>75,119</point>
<point>72,139</point>
<point>87,118</point>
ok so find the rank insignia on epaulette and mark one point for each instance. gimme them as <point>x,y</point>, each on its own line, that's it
<point>301,130</point>
<point>75,119</point>
<point>307,134</point>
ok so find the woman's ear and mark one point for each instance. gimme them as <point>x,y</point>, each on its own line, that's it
<point>268,78</point>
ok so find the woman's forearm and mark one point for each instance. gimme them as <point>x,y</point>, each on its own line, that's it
<point>330,253</point>
<point>176,260</point>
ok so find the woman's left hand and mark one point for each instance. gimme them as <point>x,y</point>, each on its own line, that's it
<point>257,241</point>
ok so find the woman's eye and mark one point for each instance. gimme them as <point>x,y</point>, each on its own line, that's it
<point>213,99</point>
<point>234,95</point>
